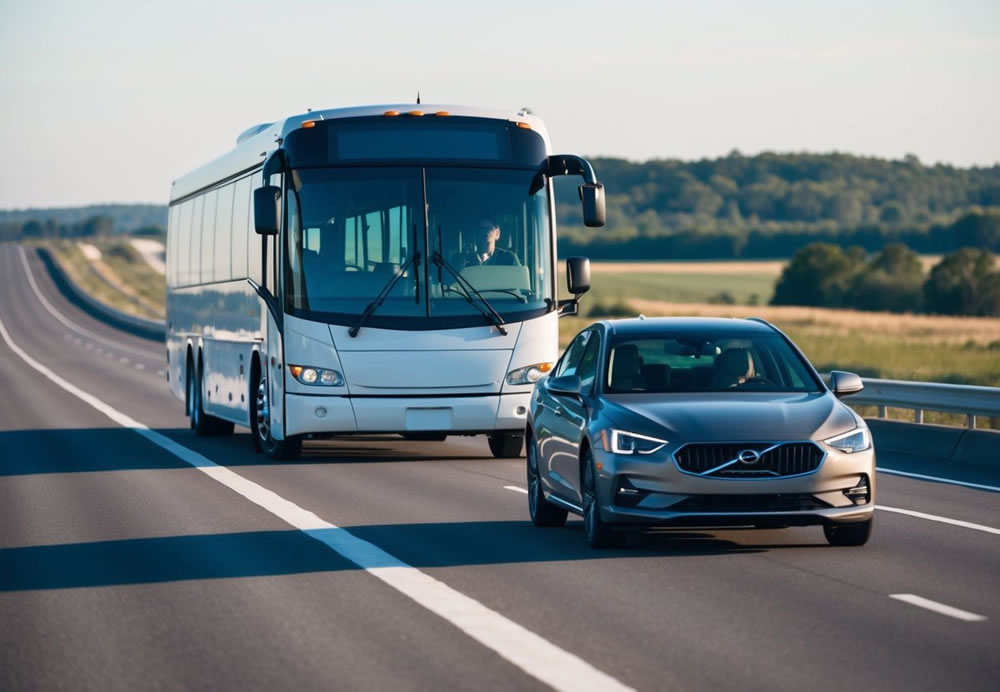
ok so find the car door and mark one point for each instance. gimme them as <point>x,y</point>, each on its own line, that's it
<point>549,426</point>
<point>576,415</point>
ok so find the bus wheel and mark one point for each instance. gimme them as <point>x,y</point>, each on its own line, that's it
<point>506,445</point>
<point>260,423</point>
<point>201,422</point>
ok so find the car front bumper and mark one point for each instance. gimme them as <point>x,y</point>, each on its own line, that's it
<point>652,492</point>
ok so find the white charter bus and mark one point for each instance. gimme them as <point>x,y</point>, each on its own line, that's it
<point>383,269</point>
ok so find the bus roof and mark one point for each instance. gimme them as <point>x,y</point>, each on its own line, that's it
<point>255,143</point>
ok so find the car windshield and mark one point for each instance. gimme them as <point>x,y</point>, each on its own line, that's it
<point>352,229</point>
<point>707,362</point>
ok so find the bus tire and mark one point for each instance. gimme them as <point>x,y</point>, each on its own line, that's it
<point>506,445</point>
<point>201,422</point>
<point>260,424</point>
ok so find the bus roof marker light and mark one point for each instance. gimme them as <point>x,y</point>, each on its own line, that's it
<point>525,126</point>
<point>442,113</point>
<point>415,114</point>
<point>309,123</point>
<point>391,113</point>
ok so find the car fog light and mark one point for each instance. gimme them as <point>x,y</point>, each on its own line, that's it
<point>860,494</point>
<point>627,495</point>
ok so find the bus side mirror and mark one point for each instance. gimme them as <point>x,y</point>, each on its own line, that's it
<point>578,275</point>
<point>592,196</point>
<point>265,209</point>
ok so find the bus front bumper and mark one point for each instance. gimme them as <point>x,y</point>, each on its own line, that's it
<point>466,414</point>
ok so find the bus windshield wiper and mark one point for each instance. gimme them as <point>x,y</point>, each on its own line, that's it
<point>467,289</point>
<point>380,298</point>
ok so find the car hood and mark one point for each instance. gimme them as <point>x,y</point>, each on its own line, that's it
<point>732,416</point>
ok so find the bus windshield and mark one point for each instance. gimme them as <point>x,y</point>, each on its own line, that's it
<point>350,230</point>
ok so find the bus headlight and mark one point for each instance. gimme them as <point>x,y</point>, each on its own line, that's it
<point>306,374</point>
<point>529,374</point>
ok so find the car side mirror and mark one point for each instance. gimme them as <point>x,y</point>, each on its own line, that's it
<point>592,196</point>
<point>567,385</point>
<point>845,383</point>
<point>265,209</point>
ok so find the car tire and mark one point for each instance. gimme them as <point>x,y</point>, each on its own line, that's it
<point>506,445</point>
<point>543,512</point>
<point>260,425</point>
<point>848,534</point>
<point>599,534</point>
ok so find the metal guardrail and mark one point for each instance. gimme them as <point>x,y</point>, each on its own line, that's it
<point>968,400</point>
<point>139,326</point>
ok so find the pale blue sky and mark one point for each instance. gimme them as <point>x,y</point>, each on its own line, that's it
<point>110,100</point>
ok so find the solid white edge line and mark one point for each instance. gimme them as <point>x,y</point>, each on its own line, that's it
<point>941,608</point>
<point>65,320</point>
<point>894,472</point>
<point>515,489</point>
<point>518,645</point>
<point>942,520</point>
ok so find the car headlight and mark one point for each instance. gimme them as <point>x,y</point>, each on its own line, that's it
<point>621,442</point>
<point>856,440</point>
<point>529,374</point>
<point>320,377</point>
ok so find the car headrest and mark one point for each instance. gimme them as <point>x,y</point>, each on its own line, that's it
<point>736,362</point>
<point>626,362</point>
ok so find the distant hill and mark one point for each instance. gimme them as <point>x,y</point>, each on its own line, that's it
<point>125,218</point>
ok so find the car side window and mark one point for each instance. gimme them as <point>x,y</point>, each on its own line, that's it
<point>587,370</point>
<point>571,359</point>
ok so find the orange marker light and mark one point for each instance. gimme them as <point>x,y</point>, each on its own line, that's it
<point>442,113</point>
<point>604,441</point>
<point>526,126</point>
<point>599,466</point>
<point>309,123</point>
<point>390,113</point>
<point>415,113</point>
<point>545,367</point>
<point>296,369</point>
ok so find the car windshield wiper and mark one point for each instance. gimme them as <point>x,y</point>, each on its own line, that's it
<point>380,298</point>
<point>467,290</point>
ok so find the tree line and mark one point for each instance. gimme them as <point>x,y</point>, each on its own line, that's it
<point>964,282</point>
<point>770,205</point>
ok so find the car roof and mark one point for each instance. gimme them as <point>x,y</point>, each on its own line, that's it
<point>637,326</point>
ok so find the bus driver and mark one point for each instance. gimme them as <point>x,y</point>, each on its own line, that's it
<point>486,250</point>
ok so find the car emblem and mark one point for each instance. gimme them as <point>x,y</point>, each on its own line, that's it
<point>748,457</point>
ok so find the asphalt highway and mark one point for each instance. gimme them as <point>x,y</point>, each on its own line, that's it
<point>136,555</point>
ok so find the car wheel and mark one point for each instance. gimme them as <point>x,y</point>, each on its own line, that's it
<point>599,533</point>
<point>855,533</point>
<point>506,445</point>
<point>260,422</point>
<point>543,512</point>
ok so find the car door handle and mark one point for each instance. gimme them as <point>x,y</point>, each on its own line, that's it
<point>558,410</point>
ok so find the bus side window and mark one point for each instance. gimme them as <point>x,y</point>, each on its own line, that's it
<point>253,247</point>
<point>223,229</point>
<point>241,228</point>
<point>175,212</point>
<point>208,238</point>
<point>194,266</point>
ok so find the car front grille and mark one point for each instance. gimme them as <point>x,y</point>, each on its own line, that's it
<point>751,460</point>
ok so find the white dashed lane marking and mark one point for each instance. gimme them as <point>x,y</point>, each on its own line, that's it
<point>941,608</point>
